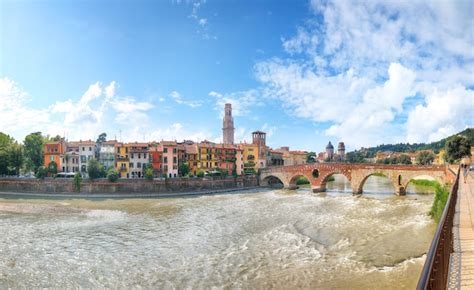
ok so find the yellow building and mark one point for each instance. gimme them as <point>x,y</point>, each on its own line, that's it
<point>191,157</point>
<point>250,157</point>
<point>207,159</point>
<point>122,164</point>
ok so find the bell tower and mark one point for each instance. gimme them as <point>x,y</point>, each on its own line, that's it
<point>228,125</point>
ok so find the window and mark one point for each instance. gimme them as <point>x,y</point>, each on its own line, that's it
<point>144,155</point>
<point>174,150</point>
<point>139,164</point>
<point>174,159</point>
<point>90,148</point>
<point>131,165</point>
<point>131,155</point>
<point>165,159</point>
<point>139,156</point>
<point>83,159</point>
<point>83,148</point>
<point>165,150</point>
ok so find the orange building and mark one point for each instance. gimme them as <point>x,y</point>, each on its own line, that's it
<point>53,152</point>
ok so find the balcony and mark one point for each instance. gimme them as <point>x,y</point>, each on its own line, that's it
<point>123,169</point>
<point>122,158</point>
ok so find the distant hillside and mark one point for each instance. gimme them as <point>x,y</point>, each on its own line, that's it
<point>407,147</point>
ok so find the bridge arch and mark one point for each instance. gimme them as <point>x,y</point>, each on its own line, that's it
<point>270,180</point>
<point>394,180</point>
<point>423,176</point>
<point>292,182</point>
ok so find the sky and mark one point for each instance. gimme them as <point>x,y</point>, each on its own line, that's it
<point>305,72</point>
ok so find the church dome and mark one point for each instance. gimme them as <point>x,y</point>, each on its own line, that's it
<point>329,146</point>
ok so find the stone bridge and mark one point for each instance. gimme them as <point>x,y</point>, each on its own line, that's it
<point>319,173</point>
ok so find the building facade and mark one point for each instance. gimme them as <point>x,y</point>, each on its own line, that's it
<point>52,153</point>
<point>86,153</point>
<point>139,159</point>
<point>107,154</point>
<point>170,158</point>
<point>122,161</point>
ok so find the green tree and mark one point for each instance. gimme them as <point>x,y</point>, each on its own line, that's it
<point>200,173</point>
<point>311,157</point>
<point>15,158</point>
<point>112,174</point>
<point>355,157</point>
<point>53,167</point>
<point>183,169</point>
<point>404,159</point>
<point>33,149</point>
<point>457,147</point>
<point>101,139</point>
<point>77,181</point>
<point>5,140</point>
<point>425,158</point>
<point>41,172</point>
<point>94,169</point>
<point>149,173</point>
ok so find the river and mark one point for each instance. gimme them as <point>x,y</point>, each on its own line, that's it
<point>255,239</point>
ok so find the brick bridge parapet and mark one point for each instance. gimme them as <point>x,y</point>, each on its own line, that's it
<point>356,174</point>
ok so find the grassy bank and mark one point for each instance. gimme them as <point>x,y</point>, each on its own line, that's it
<point>424,182</point>
<point>439,202</point>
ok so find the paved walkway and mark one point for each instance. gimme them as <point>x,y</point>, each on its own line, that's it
<point>462,260</point>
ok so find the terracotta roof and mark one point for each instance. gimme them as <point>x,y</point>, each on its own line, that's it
<point>110,142</point>
<point>191,149</point>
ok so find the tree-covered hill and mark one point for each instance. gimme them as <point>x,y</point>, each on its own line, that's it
<point>407,147</point>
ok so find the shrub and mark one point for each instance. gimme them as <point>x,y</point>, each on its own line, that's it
<point>200,173</point>
<point>112,175</point>
<point>41,173</point>
<point>149,173</point>
<point>77,181</point>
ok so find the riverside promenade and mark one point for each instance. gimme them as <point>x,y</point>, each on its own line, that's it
<point>461,274</point>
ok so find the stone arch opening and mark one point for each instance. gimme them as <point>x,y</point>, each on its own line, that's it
<point>338,181</point>
<point>294,181</point>
<point>422,184</point>
<point>272,182</point>
<point>315,173</point>
<point>377,182</point>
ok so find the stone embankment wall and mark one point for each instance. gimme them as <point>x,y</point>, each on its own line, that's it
<point>126,185</point>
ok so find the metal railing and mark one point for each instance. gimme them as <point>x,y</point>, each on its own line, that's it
<point>435,271</point>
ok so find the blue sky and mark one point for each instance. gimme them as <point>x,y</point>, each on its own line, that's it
<point>306,72</point>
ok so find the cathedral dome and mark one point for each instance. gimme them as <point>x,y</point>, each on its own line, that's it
<point>329,146</point>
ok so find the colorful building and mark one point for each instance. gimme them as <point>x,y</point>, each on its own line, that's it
<point>70,158</point>
<point>250,154</point>
<point>107,153</point>
<point>86,153</point>
<point>239,161</point>
<point>122,160</point>
<point>170,158</point>
<point>138,158</point>
<point>52,153</point>
<point>192,157</point>
<point>207,159</point>
<point>155,151</point>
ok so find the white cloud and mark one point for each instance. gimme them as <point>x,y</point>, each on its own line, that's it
<point>18,119</point>
<point>445,113</point>
<point>241,101</point>
<point>355,64</point>
<point>179,100</point>
<point>110,90</point>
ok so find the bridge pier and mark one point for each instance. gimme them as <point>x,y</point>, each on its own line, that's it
<point>400,191</point>
<point>317,189</point>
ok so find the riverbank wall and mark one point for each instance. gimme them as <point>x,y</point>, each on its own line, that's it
<point>127,186</point>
